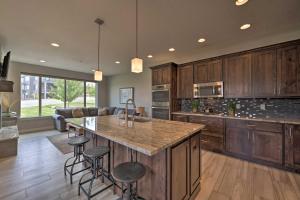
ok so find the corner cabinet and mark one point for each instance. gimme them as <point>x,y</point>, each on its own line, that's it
<point>237,76</point>
<point>185,81</point>
<point>288,71</point>
<point>292,146</point>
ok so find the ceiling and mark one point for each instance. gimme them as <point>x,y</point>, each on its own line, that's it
<point>28,27</point>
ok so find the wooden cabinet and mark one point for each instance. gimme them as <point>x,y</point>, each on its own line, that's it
<point>212,137</point>
<point>255,140</point>
<point>292,146</point>
<point>264,73</point>
<point>195,158</point>
<point>180,118</point>
<point>237,76</point>
<point>208,71</point>
<point>185,81</point>
<point>161,75</point>
<point>288,71</point>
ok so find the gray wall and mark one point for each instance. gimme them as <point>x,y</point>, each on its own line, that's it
<point>142,88</point>
<point>43,123</point>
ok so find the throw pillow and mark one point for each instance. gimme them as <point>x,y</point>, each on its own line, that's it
<point>102,111</point>
<point>77,113</point>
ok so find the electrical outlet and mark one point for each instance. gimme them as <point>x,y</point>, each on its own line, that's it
<point>263,106</point>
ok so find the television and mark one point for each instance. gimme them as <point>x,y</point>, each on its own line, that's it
<point>4,66</point>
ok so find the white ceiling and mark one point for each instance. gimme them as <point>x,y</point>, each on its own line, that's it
<point>28,26</point>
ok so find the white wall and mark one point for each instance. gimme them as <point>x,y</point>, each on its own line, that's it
<point>42,123</point>
<point>142,88</point>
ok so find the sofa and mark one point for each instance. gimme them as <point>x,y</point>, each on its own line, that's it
<point>63,113</point>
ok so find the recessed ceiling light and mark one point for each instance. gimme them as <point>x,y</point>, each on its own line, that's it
<point>117,62</point>
<point>245,26</point>
<point>240,2</point>
<point>55,44</point>
<point>201,40</point>
<point>93,70</point>
<point>171,49</point>
<point>149,56</point>
<point>42,61</point>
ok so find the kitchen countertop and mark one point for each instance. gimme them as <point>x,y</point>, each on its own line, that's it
<point>274,120</point>
<point>146,137</point>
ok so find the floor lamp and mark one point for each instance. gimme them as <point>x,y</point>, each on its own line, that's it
<point>5,86</point>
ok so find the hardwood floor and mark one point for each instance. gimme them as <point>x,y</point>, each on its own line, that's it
<point>37,173</point>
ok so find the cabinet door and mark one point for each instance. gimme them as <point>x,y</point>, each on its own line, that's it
<point>238,141</point>
<point>166,75</point>
<point>180,171</point>
<point>195,158</point>
<point>292,146</point>
<point>201,73</point>
<point>237,76</point>
<point>264,73</point>
<point>185,81</point>
<point>215,71</point>
<point>267,146</point>
<point>288,74</point>
<point>156,77</point>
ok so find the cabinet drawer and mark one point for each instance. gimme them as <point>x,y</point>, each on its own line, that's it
<point>180,118</point>
<point>212,143</point>
<point>265,126</point>
<point>236,123</point>
<point>213,125</point>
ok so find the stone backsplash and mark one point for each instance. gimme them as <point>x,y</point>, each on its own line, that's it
<point>253,108</point>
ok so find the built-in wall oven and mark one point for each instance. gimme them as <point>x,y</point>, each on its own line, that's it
<point>161,101</point>
<point>213,89</point>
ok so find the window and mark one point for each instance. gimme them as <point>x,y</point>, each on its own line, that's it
<point>41,95</point>
<point>29,96</point>
<point>52,95</point>
<point>90,94</point>
<point>75,93</point>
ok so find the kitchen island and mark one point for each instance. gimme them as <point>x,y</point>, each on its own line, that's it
<point>170,151</point>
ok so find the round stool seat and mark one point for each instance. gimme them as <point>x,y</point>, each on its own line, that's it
<point>79,140</point>
<point>129,172</point>
<point>96,152</point>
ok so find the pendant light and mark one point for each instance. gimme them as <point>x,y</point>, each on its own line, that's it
<point>98,74</point>
<point>136,63</point>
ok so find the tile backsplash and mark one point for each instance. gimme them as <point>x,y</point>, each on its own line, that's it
<point>253,108</point>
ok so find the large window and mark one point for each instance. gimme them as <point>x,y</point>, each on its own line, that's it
<point>41,95</point>
<point>29,96</point>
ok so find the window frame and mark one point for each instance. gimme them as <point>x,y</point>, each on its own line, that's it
<point>40,76</point>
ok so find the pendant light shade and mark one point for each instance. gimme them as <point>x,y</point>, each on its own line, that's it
<point>98,74</point>
<point>136,63</point>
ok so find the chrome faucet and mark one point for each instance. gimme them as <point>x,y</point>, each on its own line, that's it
<point>126,111</point>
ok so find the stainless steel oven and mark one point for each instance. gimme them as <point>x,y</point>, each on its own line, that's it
<point>213,89</point>
<point>161,101</point>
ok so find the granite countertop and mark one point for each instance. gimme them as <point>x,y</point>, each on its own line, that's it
<point>146,137</point>
<point>274,120</point>
<point>8,133</point>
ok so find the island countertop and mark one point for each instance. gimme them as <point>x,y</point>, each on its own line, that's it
<point>145,137</point>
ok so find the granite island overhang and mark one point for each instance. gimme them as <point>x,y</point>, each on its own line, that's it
<point>170,151</point>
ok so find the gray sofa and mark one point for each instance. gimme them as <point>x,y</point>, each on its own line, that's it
<point>63,113</point>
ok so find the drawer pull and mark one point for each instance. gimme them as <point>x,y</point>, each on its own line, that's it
<point>204,141</point>
<point>250,125</point>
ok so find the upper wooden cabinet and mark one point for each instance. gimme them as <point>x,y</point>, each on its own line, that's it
<point>185,81</point>
<point>264,73</point>
<point>208,71</point>
<point>288,71</point>
<point>237,76</point>
<point>161,75</point>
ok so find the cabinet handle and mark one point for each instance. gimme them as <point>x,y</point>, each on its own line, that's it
<point>274,92</point>
<point>248,135</point>
<point>290,132</point>
<point>253,138</point>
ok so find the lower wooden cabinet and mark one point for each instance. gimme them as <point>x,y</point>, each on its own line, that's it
<point>180,118</point>
<point>255,140</point>
<point>186,168</point>
<point>292,146</point>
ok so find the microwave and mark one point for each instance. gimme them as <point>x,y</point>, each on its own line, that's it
<point>213,89</point>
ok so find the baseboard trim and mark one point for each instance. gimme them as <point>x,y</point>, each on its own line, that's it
<point>32,130</point>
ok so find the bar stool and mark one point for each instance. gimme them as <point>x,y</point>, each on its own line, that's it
<point>95,157</point>
<point>127,174</point>
<point>78,143</point>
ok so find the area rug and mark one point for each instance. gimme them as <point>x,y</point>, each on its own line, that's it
<point>60,141</point>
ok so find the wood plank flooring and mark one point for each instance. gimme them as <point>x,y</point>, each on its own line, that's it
<point>37,173</point>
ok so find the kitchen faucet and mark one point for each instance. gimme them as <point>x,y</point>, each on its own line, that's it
<point>126,111</point>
